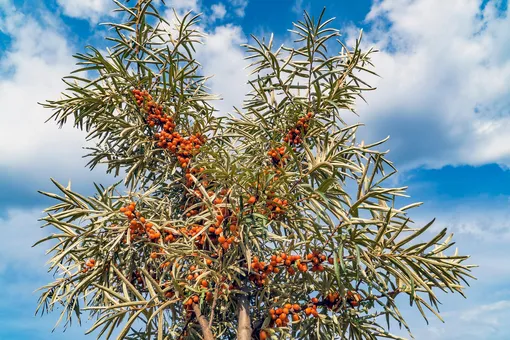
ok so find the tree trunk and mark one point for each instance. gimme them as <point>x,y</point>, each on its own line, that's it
<point>204,323</point>
<point>244,327</point>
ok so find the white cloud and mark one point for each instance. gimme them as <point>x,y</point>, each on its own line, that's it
<point>218,12</point>
<point>482,322</point>
<point>481,230</point>
<point>444,95</point>
<point>30,72</point>
<point>89,9</point>
<point>222,56</point>
<point>16,250</point>
<point>239,6</point>
<point>182,6</point>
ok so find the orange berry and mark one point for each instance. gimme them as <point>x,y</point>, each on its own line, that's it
<point>263,335</point>
<point>252,200</point>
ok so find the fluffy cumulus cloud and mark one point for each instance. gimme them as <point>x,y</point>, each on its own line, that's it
<point>218,12</point>
<point>30,72</point>
<point>222,57</point>
<point>443,95</point>
<point>90,9</point>
<point>480,230</point>
<point>485,321</point>
<point>239,7</point>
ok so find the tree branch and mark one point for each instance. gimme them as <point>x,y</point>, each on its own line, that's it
<point>243,312</point>
<point>204,323</point>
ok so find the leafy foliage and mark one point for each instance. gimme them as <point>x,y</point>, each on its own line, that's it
<point>274,216</point>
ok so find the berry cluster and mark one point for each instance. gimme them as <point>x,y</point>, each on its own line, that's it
<point>312,308</point>
<point>353,298</point>
<point>138,226</point>
<point>316,259</point>
<point>169,237</point>
<point>183,148</point>
<point>261,271</point>
<point>294,136</point>
<point>276,206</point>
<point>332,299</point>
<point>280,316</point>
<point>218,232</point>
<point>169,293</point>
<point>167,138</point>
<point>285,260</point>
<point>197,173</point>
<point>278,156</point>
<point>89,265</point>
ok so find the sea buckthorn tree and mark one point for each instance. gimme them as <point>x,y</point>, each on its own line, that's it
<point>270,222</point>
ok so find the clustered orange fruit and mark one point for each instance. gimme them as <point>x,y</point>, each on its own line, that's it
<point>285,260</point>
<point>222,232</point>
<point>188,304</point>
<point>278,156</point>
<point>312,308</point>
<point>353,298</point>
<point>197,172</point>
<point>316,259</point>
<point>167,138</point>
<point>183,148</point>
<point>169,293</point>
<point>280,316</point>
<point>89,265</point>
<point>332,299</point>
<point>275,205</point>
<point>138,226</point>
<point>295,134</point>
<point>261,271</point>
<point>155,114</point>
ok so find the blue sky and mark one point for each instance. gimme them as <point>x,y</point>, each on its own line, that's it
<point>443,97</point>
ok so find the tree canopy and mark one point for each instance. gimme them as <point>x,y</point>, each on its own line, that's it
<point>269,221</point>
